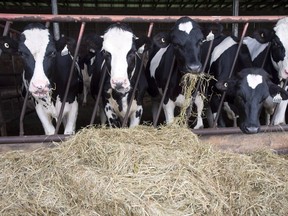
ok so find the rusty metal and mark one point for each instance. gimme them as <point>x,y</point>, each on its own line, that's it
<point>124,124</point>
<point>155,121</point>
<point>33,139</point>
<point>59,119</point>
<point>23,111</point>
<point>199,83</point>
<point>142,19</point>
<point>122,18</point>
<point>230,74</point>
<point>103,75</point>
<point>236,130</point>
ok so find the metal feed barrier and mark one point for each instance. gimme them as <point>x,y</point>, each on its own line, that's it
<point>151,20</point>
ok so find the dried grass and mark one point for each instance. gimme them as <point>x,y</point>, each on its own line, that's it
<point>141,171</point>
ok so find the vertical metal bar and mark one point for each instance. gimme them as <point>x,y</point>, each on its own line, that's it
<point>124,123</point>
<point>230,74</point>
<point>164,93</point>
<point>200,82</point>
<point>59,119</point>
<point>21,132</point>
<point>235,13</point>
<point>56,28</point>
<point>99,95</point>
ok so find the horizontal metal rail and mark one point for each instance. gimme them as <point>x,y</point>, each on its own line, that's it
<point>141,19</point>
<point>135,19</point>
<point>201,132</point>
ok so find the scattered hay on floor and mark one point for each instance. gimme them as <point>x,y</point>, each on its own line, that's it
<point>141,171</point>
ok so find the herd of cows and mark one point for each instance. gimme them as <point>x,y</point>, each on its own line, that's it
<point>255,86</point>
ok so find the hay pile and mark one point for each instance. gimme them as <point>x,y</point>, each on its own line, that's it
<point>141,171</point>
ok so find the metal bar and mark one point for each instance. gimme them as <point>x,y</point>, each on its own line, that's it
<point>122,18</point>
<point>124,124</point>
<point>99,95</point>
<point>199,82</point>
<point>59,120</point>
<point>33,139</point>
<point>231,72</point>
<point>23,111</point>
<point>235,13</point>
<point>55,24</point>
<point>236,130</point>
<point>201,132</point>
<point>155,121</point>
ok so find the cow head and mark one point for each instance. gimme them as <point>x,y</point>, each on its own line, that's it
<point>119,47</point>
<point>37,49</point>
<point>251,90</point>
<point>278,37</point>
<point>186,39</point>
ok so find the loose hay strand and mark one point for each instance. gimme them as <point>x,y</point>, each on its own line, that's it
<point>142,171</point>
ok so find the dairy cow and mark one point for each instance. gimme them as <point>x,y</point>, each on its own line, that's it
<point>47,65</point>
<point>118,56</point>
<point>184,42</point>
<point>251,90</point>
<point>220,63</point>
<point>276,63</point>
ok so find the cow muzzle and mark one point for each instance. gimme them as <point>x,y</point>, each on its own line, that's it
<point>193,68</point>
<point>250,129</point>
<point>121,85</point>
<point>40,89</point>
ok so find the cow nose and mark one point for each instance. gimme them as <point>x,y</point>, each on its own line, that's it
<point>251,130</point>
<point>194,68</point>
<point>120,84</point>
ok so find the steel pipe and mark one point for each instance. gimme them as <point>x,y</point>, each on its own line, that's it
<point>142,19</point>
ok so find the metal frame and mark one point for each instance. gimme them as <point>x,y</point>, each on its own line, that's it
<point>135,19</point>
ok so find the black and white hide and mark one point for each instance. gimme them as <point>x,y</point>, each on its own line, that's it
<point>118,55</point>
<point>251,90</point>
<point>183,42</point>
<point>47,65</point>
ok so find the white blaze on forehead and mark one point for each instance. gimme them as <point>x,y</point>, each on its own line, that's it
<point>254,80</point>
<point>187,27</point>
<point>118,43</point>
<point>36,40</point>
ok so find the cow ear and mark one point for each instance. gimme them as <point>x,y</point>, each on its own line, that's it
<point>161,39</point>
<point>276,90</point>
<point>9,45</point>
<point>263,35</point>
<point>226,85</point>
<point>212,31</point>
<point>93,42</point>
<point>144,40</point>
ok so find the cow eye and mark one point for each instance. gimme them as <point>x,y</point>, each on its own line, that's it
<point>201,42</point>
<point>51,54</point>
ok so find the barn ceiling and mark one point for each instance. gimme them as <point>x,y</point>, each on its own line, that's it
<point>147,7</point>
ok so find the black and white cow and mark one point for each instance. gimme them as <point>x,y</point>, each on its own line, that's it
<point>276,63</point>
<point>251,90</point>
<point>47,65</point>
<point>184,42</point>
<point>220,63</point>
<point>118,54</point>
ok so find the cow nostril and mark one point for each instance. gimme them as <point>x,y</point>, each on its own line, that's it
<point>195,68</point>
<point>251,130</point>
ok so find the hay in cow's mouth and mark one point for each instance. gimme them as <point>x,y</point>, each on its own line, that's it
<point>141,171</point>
